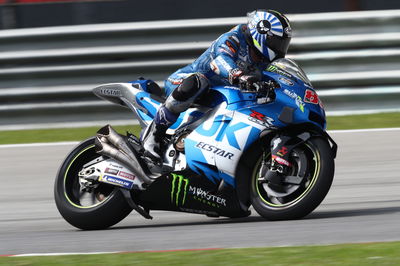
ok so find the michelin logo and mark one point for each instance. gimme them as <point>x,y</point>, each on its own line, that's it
<point>117,181</point>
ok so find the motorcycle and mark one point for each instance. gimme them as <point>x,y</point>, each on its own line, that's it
<point>232,149</point>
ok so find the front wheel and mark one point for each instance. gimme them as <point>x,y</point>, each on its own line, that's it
<point>99,208</point>
<point>304,187</point>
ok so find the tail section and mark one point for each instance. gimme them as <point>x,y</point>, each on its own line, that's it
<point>131,95</point>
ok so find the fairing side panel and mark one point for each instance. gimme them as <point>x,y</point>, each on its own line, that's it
<point>215,147</point>
<point>187,191</point>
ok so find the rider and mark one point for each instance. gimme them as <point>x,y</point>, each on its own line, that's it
<point>236,57</point>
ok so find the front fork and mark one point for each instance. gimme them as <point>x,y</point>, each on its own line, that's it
<point>276,170</point>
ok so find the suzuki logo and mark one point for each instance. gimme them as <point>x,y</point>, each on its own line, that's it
<point>221,127</point>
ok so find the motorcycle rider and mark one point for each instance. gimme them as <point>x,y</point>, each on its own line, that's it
<point>236,57</point>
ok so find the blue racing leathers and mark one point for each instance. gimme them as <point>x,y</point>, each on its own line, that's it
<point>227,56</point>
<point>222,63</point>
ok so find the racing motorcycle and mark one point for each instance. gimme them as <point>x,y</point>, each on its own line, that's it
<point>232,149</point>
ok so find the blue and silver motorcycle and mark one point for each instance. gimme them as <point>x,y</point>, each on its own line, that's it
<point>232,149</point>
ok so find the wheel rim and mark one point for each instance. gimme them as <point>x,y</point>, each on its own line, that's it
<point>294,193</point>
<point>73,191</point>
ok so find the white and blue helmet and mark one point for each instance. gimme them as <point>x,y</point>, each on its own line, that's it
<point>269,32</point>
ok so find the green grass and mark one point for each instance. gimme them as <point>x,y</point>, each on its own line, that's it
<point>55,135</point>
<point>345,254</point>
<point>383,120</point>
<point>76,134</point>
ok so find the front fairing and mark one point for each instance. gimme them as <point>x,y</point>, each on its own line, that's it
<point>215,147</point>
<point>293,94</point>
<point>297,96</point>
<point>296,91</point>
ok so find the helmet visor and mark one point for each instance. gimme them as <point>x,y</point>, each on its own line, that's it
<point>279,45</point>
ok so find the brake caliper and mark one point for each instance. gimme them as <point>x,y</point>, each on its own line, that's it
<point>280,166</point>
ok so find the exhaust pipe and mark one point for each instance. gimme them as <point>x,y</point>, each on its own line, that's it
<point>111,136</point>
<point>111,144</point>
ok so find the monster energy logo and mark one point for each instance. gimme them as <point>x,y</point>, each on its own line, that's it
<point>275,69</point>
<point>272,68</point>
<point>182,185</point>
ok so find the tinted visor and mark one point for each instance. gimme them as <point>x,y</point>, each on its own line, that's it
<point>279,45</point>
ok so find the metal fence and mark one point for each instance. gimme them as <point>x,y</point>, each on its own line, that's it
<point>46,74</point>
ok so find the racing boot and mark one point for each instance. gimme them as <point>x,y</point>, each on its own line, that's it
<point>155,132</point>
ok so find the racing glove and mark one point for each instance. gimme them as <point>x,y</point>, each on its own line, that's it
<point>234,75</point>
<point>246,82</point>
<point>249,83</point>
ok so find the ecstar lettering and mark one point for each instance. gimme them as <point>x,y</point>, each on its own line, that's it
<point>215,150</point>
<point>111,92</point>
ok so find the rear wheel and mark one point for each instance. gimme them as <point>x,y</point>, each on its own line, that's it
<point>304,186</point>
<point>97,208</point>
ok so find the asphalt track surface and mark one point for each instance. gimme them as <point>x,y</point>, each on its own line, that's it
<point>362,206</point>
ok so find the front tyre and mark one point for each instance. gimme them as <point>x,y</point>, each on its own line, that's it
<point>313,164</point>
<point>99,208</point>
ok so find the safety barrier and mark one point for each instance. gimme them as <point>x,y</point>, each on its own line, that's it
<point>46,74</point>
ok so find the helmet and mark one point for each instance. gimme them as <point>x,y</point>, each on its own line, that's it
<point>269,32</point>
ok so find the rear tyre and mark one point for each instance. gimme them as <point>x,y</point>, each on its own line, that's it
<point>98,209</point>
<point>315,159</point>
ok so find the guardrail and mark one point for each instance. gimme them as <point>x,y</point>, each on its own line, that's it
<point>46,74</point>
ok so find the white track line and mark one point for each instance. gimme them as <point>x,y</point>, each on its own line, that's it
<point>108,252</point>
<point>70,143</point>
<point>69,125</point>
<point>365,130</point>
<point>64,254</point>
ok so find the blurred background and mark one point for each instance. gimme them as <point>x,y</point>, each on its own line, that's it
<point>39,13</point>
<point>53,53</point>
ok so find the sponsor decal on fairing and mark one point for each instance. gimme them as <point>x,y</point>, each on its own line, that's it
<point>180,189</point>
<point>111,171</point>
<point>111,92</point>
<point>206,197</point>
<point>215,150</point>
<point>261,119</point>
<point>126,175</point>
<point>275,69</point>
<point>286,81</point>
<point>116,166</point>
<point>311,96</point>
<point>117,181</point>
<point>294,96</point>
<point>226,131</point>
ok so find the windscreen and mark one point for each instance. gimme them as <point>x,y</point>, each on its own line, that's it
<point>291,67</point>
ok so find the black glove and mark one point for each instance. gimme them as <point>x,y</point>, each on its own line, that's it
<point>234,75</point>
<point>249,83</point>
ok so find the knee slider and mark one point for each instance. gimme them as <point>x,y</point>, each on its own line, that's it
<point>189,87</point>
